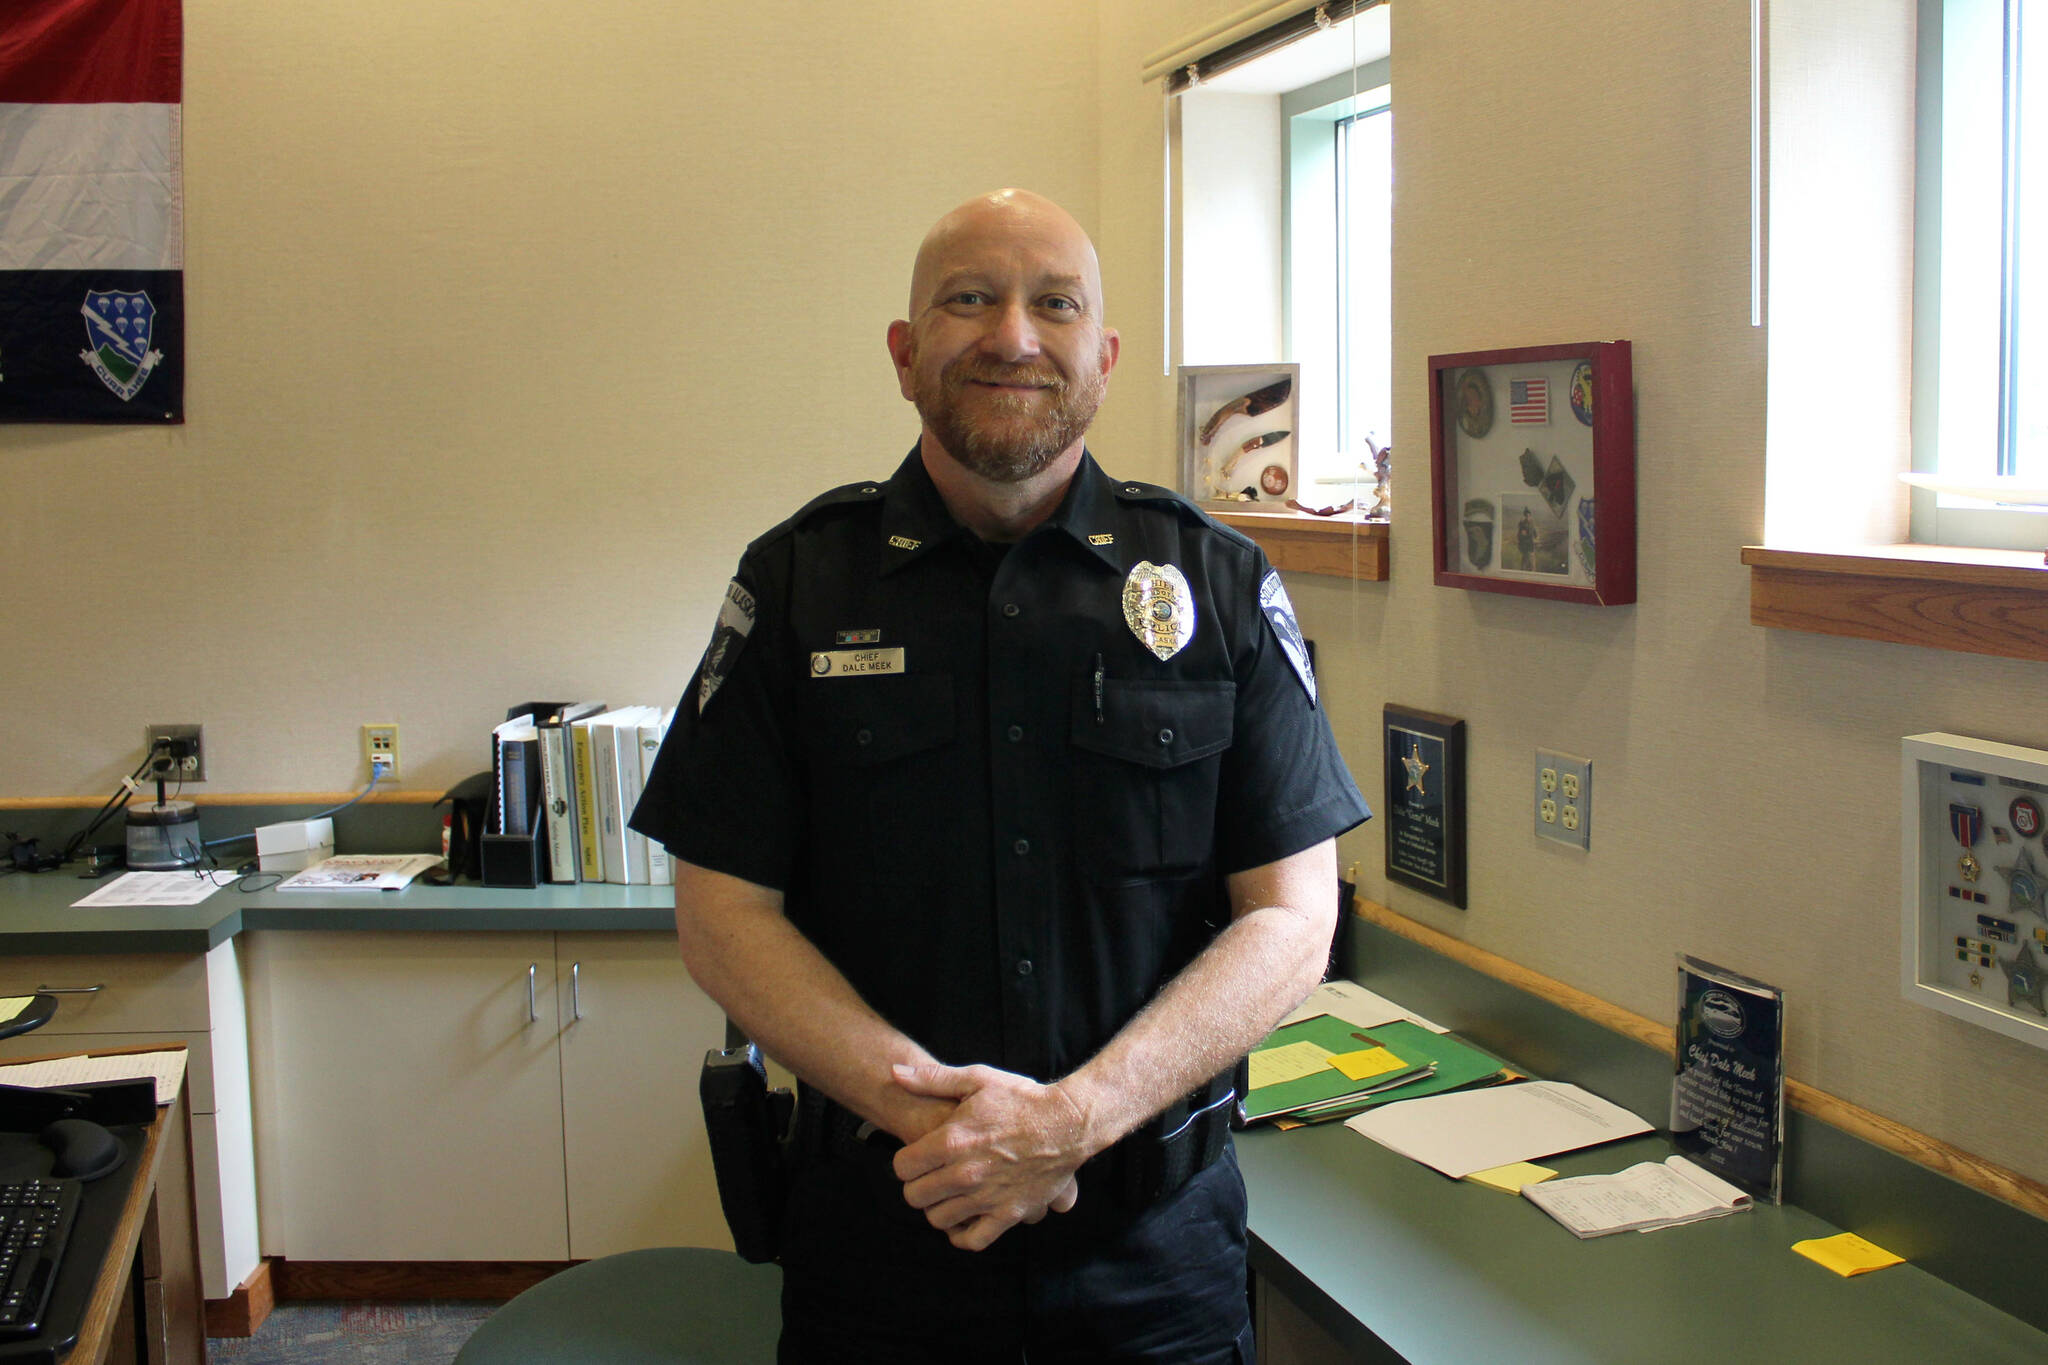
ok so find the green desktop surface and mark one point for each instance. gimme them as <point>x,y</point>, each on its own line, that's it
<point>1388,1256</point>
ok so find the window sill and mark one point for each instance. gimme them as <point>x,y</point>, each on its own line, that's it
<point>1343,546</point>
<point>1935,596</point>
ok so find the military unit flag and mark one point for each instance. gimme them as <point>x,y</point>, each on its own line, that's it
<point>92,292</point>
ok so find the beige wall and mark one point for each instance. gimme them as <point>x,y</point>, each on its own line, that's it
<point>509,330</point>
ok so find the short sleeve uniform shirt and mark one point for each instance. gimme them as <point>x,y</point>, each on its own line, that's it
<point>1000,788</point>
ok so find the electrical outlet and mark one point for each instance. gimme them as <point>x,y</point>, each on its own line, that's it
<point>184,760</point>
<point>380,751</point>
<point>1564,798</point>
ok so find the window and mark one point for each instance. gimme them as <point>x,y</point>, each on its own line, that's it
<point>1286,180</point>
<point>1981,261</point>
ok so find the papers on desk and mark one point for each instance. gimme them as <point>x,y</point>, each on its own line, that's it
<point>361,872</point>
<point>13,1005</point>
<point>1643,1198</point>
<point>1353,1003</point>
<point>1475,1130</point>
<point>154,888</point>
<point>166,1066</point>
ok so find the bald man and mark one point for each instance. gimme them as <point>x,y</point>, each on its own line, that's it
<point>1003,814</point>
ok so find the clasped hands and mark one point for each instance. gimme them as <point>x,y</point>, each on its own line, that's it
<point>1005,1155</point>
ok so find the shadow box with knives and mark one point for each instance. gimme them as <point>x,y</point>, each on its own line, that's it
<point>1237,432</point>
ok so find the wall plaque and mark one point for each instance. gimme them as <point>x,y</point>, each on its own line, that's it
<point>1425,802</point>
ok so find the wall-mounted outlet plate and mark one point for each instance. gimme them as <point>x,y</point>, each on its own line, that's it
<point>380,751</point>
<point>187,766</point>
<point>1564,798</point>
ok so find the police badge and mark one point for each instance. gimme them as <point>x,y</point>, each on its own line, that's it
<point>1159,607</point>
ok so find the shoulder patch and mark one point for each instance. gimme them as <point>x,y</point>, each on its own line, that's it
<point>1279,613</point>
<point>735,623</point>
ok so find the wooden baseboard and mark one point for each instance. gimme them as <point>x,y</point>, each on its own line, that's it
<point>407,1281</point>
<point>1997,1181</point>
<point>241,1313</point>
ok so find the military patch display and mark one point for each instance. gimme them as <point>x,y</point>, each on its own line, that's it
<point>1279,612</point>
<point>735,623</point>
<point>1159,607</point>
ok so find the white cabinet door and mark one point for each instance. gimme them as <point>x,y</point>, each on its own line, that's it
<point>634,1032</point>
<point>415,1112</point>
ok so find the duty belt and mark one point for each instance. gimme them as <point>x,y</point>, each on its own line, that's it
<point>1159,1157</point>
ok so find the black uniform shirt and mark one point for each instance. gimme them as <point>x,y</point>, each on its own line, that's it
<point>997,811</point>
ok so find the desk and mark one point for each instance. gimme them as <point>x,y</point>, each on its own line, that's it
<point>145,1303</point>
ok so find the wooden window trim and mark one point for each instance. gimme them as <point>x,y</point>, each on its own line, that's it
<point>1936,596</point>
<point>1341,546</point>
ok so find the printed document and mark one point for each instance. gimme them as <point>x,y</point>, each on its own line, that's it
<point>1473,1130</point>
<point>154,888</point>
<point>1354,1004</point>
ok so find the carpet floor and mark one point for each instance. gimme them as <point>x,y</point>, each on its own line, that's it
<point>356,1334</point>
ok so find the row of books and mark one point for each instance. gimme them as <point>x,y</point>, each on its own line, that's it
<point>568,775</point>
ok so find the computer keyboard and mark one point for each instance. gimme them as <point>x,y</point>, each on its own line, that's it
<point>35,1222</point>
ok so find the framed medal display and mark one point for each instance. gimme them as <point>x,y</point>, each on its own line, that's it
<point>1533,465</point>
<point>1975,882</point>
<point>1238,426</point>
<point>1424,809</point>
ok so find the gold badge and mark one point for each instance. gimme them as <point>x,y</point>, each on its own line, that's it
<point>904,543</point>
<point>1103,538</point>
<point>1159,608</point>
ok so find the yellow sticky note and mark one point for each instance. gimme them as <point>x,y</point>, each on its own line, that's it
<point>1510,1178</point>
<point>1366,1063</point>
<point>12,1005</point>
<point>1846,1254</point>
<point>1272,1065</point>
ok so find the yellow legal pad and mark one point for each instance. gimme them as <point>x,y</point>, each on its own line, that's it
<point>1275,1065</point>
<point>1847,1254</point>
<point>1510,1178</point>
<point>12,1005</point>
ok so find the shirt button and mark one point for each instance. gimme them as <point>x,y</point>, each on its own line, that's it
<point>1165,737</point>
<point>1024,967</point>
<point>1015,732</point>
<point>1021,847</point>
<point>864,737</point>
<point>1011,609</point>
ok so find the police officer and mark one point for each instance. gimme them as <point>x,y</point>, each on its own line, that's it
<point>1003,813</point>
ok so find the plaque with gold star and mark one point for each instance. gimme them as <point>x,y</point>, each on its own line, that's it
<point>1424,813</point>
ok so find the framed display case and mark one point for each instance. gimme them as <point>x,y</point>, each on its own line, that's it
<point>1238,425</point>
<point>1533,468</point>
<point>1975,882</point>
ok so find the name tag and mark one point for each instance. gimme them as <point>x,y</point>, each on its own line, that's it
<point>842,663</point>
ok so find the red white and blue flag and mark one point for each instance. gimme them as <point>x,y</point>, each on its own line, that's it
<point>1529,401</point>
<point>92,244</point>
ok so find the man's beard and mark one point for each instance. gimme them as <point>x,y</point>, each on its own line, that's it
<point>1005,442</point>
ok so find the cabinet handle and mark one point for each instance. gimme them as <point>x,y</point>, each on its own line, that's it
<point>532,1000</point>
<point>71,990</point>
<point>575,991</point>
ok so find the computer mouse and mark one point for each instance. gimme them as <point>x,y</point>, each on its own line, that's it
<point>82,1148</point>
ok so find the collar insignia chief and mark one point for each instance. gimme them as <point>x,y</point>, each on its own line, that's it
<point>1159,607</point>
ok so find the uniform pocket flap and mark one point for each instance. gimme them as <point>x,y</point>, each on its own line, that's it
<point>859,721</point>
<point>1158,724</point>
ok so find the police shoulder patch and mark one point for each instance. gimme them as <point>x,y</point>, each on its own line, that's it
<point>1279,613</point>
<point>735,622</point>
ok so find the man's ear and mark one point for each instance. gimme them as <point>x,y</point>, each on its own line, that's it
<point>1112,347</point>
<point>901,351</point>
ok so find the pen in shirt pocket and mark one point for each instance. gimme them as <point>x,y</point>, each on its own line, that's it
<point>1098,689</point>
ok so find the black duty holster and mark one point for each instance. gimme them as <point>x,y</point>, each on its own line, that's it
<point>747,1124</point>
<point>1176,1144</point>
